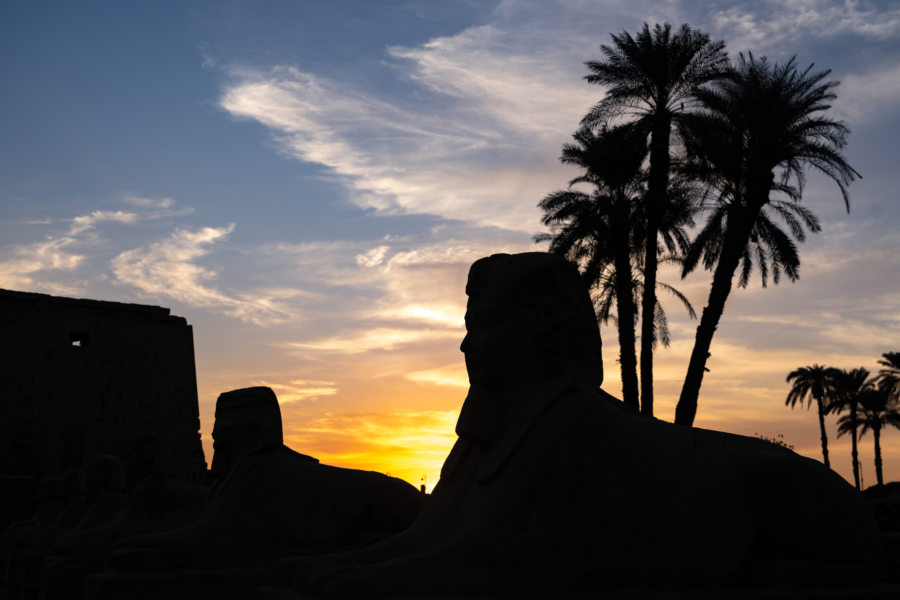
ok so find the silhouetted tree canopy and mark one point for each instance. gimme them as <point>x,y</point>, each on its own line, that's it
<point>649,79</point>
<point>757,132</point>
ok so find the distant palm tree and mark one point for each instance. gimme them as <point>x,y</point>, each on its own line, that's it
<point>758,131</point>
<point>813,383</point>
<point>879,409</point>
<point>849,386</point>
<point>649,78</point>
<point>889,377</point>
<point>597,229</point>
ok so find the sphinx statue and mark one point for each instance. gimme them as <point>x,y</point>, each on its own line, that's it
<point>553,485</point>
<point>268,501</point>
<point>268,495</point>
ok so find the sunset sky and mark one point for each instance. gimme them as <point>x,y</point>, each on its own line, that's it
<point>307,183</point>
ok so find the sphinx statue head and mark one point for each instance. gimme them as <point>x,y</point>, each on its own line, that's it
<point>246,419</point>
<point>529,319</point>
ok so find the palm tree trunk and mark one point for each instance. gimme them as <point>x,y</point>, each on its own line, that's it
<point>686,409</point>
<point>656,192</point>
<point>822,433</point>
<point>854,453</point>
<point>736,234</point>
<point>876,432</point>
<point>625,311</point>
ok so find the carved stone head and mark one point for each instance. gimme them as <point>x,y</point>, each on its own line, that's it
<point>529,318</point>
<point>246,419</point>
<point>537,298</point>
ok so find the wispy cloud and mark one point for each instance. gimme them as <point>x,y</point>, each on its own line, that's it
<point>372,257</point>
<point>448,315</point>
<point>389,286</point>
<point>87,222</point>
<point>298,390</point>
<point>501,83</point>
<point>764,27</point>
<point>23,270</point>
<point>399,301</point>
<point>153,208</point>
<point>146,202</point>
<point>37,266</point>
<point>480,146</point>
<point>168,269</point>
<point>865,96</point>
<point>367,340</point>
<point>474,133</point>
<point>48,265</point>
<point>453,375</point>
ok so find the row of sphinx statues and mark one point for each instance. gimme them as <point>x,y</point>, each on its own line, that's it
<point>553,487</point>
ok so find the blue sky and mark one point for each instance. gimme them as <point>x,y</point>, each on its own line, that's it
<point>307,183</point>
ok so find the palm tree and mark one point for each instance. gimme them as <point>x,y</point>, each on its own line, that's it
<point>848,388</point>
<point>758,132</point>
<point>812,383</point>
<point>889,377</point>
<point>596,229</point>
<point>650,78</point>
<point>879,409</point>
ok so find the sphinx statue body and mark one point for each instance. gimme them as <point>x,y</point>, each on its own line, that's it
<point>268,495</point>
<point>554,485</point>
<point>268,501</point>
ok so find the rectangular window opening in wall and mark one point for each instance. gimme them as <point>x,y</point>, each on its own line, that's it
<point>79,339</point>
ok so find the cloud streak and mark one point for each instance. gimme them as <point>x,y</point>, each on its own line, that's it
<point>88,222</point>
<point>390,293</point>
<point>763,26</point>
<point>480,157</point>
<point>41,266</point>
<point>23,270</point>
<point>366,340</point>
<point>865,96</point>
<point>472,133</point>
<point>453,375</point>
<point>300,390</point>
<point>168,268</point>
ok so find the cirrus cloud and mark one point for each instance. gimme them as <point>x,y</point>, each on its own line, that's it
<point>23,270</point>
<point>168,268</point>
<point>480,157</point>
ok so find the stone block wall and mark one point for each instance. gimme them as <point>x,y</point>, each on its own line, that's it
<point>85,377</point>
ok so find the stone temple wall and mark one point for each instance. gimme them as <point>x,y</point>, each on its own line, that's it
<point>85,377</point>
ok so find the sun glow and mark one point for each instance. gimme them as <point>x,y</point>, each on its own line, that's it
<point>408,445</point>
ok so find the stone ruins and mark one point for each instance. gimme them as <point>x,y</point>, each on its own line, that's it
<point>82,378</point>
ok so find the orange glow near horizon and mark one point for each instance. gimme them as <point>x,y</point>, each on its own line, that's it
<point>404,425</point>
<point>411,446</point>
<point>386,398</point>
